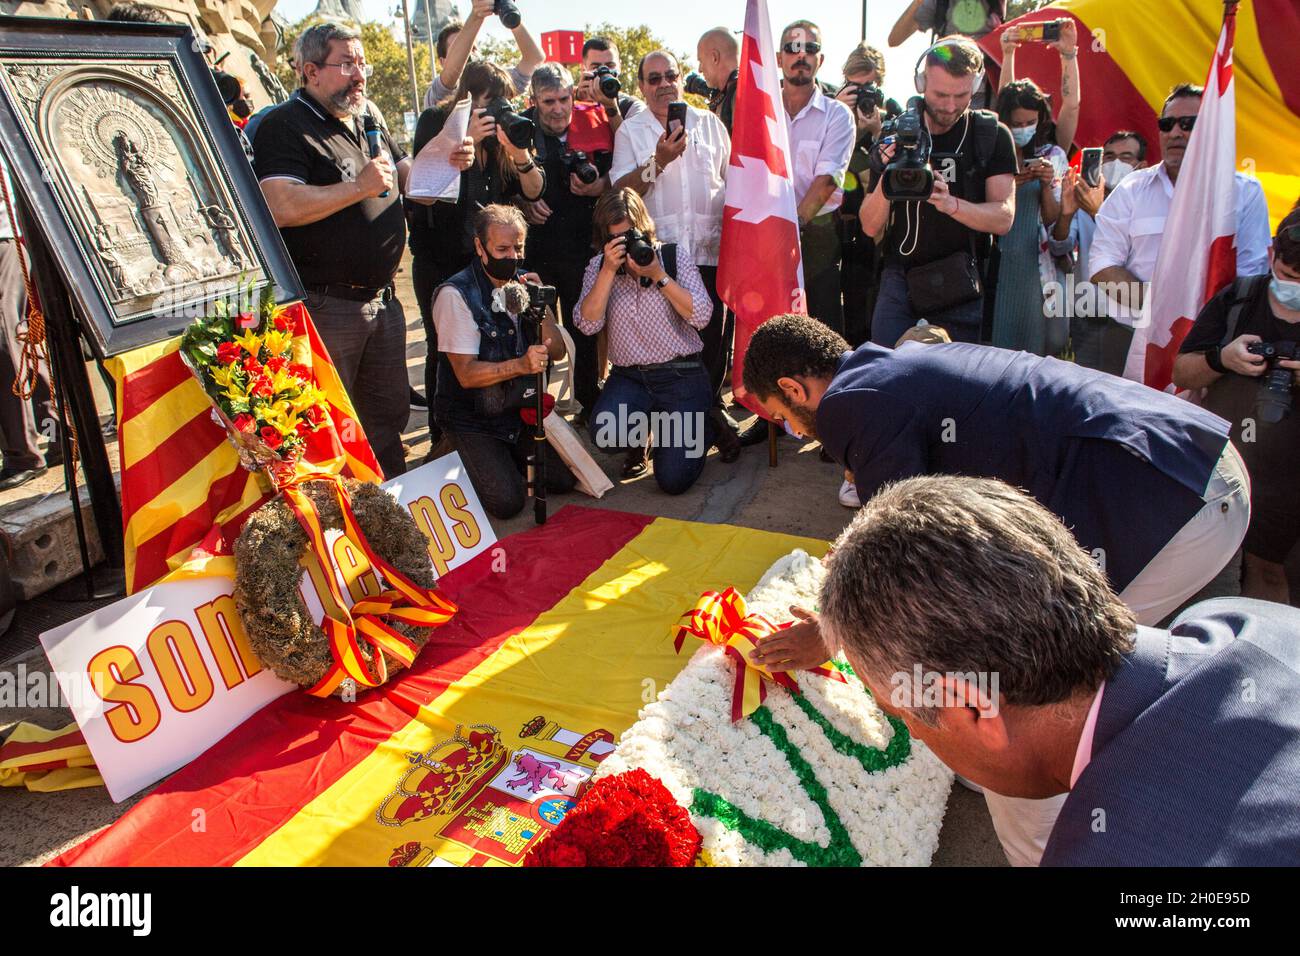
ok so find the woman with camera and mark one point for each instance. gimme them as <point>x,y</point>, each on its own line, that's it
<point>442,234</point>
<point>1024,264</point>
<point>654,304</point>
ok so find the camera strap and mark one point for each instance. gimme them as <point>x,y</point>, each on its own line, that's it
<point>1245,292</point>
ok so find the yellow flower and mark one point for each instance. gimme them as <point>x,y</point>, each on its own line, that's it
<point>282,381</point>
<point>235,392</point>
<point>249,342</point>
<point>311,395</point>
<point>221,374</point>
<point>283,419</point>
<point>277,343</point>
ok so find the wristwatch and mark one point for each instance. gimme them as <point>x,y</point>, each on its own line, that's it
<point>663,283</point>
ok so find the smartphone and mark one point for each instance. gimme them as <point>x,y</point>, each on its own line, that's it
<point>676,115</point>
<point>1044,31</point>
<point>1090,167</point>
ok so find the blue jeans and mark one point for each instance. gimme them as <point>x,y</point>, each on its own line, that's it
<point>893,315</point>
<point>669,402</point>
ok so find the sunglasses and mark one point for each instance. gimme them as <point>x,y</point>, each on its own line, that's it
<point>802,46</point>
<point>1185,123</point>
<point>654,79</point>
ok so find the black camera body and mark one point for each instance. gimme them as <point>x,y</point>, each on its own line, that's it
<point>1274,400</point>
<point>579,164</point>
<point>508,13</point>
<point>908,176</point>
<point>608,81</point>
<point>520,130</point>
<point>541,296</point>
<point>698,85</point>
<point>639,248</point>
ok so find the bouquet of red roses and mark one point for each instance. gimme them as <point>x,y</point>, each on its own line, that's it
<point>628,819</point>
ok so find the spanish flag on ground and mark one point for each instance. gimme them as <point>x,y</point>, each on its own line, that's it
<point>182,484</point>
<point>1132,52</point>
<point>564,633</point>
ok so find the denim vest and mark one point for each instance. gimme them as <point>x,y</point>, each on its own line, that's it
<point>453,404</point>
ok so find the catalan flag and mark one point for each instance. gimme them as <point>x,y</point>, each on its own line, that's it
<point>1132,53</point>
<point>45,760</point>
<point>470,756</point>
<point>182,484</point>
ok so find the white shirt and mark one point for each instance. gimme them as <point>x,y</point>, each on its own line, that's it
<point>821,141</point>
<point>1131,223</point>
<point>686,199</point>
<point>458,333</point>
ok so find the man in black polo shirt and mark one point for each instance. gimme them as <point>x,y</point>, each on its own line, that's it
<point>560,244</point>
<point>341,217</point>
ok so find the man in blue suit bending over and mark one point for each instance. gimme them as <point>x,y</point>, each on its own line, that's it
<point>1176,747</point>
<point>1149,484</point>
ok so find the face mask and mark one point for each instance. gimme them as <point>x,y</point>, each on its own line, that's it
<point>1023,134</point>
<point>1286,291</point>
<point>1114,171</point>
<point>501,269</point>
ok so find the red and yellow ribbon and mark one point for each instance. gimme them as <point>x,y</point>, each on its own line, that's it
<point>405,601</point>
<point>721,618</point>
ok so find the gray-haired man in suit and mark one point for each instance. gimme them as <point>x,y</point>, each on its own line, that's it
<point>1175,748</point>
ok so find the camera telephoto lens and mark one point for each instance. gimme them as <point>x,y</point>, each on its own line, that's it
<point>609,84</point>
<point>508,14</point>
<point>520,130</point>
<point>581,167</point>
<point>639,249</point>
<point>698,85</point>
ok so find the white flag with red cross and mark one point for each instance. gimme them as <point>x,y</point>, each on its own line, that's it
<point>1198,254</point>
<point>760,273</point>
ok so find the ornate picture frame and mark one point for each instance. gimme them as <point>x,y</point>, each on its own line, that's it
<point>118,139</point>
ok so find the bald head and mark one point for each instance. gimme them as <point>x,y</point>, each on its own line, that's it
<point>719,54</point>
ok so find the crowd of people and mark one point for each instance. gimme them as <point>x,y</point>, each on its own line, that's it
<point>616,201</point>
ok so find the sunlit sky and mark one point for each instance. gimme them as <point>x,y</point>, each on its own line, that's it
<point>680,23</point>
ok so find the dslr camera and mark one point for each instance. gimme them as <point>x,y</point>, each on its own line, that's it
<point>520,130</point>
<point>579,164</point>
<point>508,13</point>
<point>1273,402</point>
<point>541,297</point>
<point>909,175</point>
<point>638,246</point>
<point>608,82</point>
<point>698,85</point>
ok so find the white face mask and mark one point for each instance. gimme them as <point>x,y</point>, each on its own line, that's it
<point>1114,171</point>
<point>1024,134</point>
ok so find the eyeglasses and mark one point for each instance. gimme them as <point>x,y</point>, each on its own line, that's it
<point>1185,123</point>
<point>802,46</point>
<point>348,68</point>
<point>654,79</point>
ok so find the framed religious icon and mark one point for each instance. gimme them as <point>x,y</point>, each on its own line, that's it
<point>122,147</point>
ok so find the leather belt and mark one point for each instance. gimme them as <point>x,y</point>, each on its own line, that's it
<point>354,293</point>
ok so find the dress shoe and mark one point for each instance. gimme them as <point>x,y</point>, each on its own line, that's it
<point>13,477</point>
<point>724,438</point>
<point>418,402</point>
<point>755,434</point>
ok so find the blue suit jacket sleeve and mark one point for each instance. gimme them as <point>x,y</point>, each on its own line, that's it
<point>878,437</point>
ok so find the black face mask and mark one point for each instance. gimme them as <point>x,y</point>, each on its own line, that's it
<point>500,269</point>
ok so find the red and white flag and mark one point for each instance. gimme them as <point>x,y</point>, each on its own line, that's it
<point>759,269</point>
<point>1198,254</point>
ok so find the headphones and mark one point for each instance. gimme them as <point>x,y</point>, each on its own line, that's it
<point>920,66</point>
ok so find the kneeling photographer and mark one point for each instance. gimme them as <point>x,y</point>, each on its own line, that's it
<point>654,303</point>
<point>490,361</point>
<point>1244,349</point>
<point>942,183</point>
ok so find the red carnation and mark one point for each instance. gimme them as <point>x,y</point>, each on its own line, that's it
<point>282,322</point>
<point>629,819</point>
<point>252,366</point>
<point>276,363</point>
<point>300,370</point>
<point>227,352</point>
<point>314,414</point>
<point>303,428</point>
<point>261,386</point>
<point>244,422</point>
<point>271,436</point>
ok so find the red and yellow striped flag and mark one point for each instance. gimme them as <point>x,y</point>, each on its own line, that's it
<point>182,484</point>
<point>473,753</point>
<point>1132,53</point>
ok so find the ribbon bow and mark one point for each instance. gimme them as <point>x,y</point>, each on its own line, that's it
<point>405,601</point>
<point>721,618</point>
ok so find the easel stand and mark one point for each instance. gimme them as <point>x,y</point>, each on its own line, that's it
<point>72,385</point>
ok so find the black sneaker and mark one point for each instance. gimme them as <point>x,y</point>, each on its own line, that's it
<point>13,477</point>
